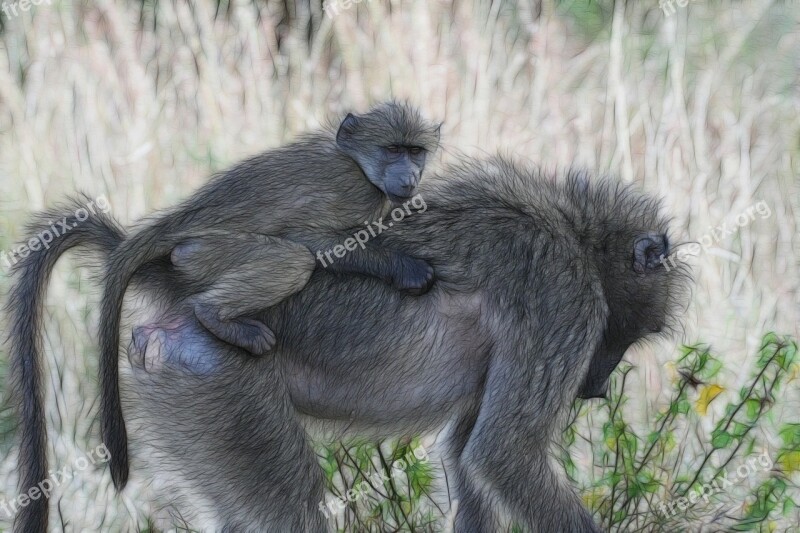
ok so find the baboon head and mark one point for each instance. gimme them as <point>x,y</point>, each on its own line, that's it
<point>642,290</point>
<point>390,144</point>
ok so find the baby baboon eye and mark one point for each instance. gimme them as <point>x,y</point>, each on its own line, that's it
<point>394,149</point>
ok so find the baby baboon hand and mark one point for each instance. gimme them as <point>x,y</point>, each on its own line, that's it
<point>414,276</point>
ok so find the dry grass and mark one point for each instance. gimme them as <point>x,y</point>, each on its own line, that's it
<point>142,104</point>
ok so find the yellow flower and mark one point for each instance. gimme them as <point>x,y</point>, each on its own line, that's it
<point>593,497</point>
<point>707,395</point>
<point>672,371</point>
<point>790,461</point>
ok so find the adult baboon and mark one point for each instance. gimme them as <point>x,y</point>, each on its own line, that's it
<point>540,282</point>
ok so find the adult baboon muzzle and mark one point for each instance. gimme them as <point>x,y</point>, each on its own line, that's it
<point>604,361</point>
<point>593,390</point>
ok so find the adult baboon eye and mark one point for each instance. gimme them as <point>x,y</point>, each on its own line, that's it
<point>393,149</point>
<point>649,251</point>
<point>415,150</point>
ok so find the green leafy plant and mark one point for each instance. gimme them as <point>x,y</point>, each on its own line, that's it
<point>675,474</point>
<point>373,488</point>
<point>681,469</point>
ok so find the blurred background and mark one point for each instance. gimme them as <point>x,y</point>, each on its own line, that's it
<point>698,104</point>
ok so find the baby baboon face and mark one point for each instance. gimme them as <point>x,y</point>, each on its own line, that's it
<point>391,144</point>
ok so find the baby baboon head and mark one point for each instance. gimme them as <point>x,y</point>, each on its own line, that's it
<point>390,143</point>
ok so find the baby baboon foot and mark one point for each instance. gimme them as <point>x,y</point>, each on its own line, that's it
<point>245,333</point>
<point>415,276</point>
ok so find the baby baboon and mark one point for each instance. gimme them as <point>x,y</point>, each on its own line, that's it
<point>258,258</point>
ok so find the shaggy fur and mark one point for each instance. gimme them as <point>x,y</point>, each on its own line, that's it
<point>541,287</point>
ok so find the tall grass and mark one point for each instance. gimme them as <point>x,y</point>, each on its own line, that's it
<point>141,101</point>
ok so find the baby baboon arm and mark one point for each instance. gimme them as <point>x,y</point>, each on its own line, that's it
<point>395,268</point>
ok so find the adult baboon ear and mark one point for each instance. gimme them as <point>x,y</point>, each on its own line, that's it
<point>649,251</point>
<point>346,128</point>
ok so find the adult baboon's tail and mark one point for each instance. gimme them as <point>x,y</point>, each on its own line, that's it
<point>77,223</point>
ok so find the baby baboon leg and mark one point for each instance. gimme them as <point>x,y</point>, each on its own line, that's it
<point>257,275</point>
<point>272,270</point>
<point>204,259</point>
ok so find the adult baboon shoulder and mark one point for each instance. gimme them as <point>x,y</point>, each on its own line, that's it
<point>542,285</point>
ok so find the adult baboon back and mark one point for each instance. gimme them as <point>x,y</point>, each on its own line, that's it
<point>539,281</point>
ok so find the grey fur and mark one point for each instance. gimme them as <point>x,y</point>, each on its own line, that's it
<point>541,286</point>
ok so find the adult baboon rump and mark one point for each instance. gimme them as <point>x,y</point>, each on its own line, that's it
<point>540,282</point>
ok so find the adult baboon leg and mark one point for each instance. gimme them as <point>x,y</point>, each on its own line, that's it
<point>268,270</point>
<point>233,450</point>
<point>474,509</point>
<point>537,365</point>
<point>395,268</point>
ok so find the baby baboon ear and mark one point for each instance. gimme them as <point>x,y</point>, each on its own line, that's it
<point>648,251</point>
<point>437,132</point>
<point>347,128</point>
